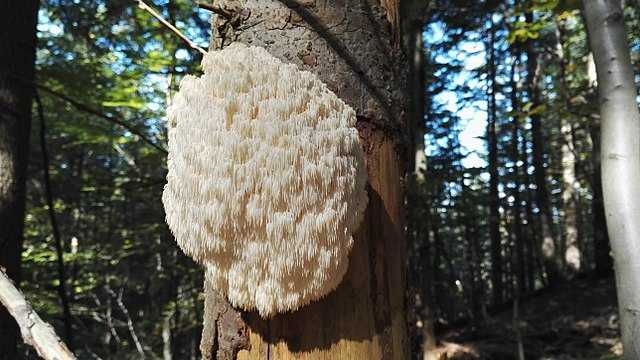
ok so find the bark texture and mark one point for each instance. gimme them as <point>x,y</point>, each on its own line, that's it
<point>620,158</point>
<point>224,331</point>
<point>352,46</point>
<point>17,65</point>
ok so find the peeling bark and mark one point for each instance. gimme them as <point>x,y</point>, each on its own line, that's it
<point>224,331</point>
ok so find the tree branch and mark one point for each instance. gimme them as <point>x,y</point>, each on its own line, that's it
<point>34,330</point>
<point>142,5</point>
<point>216,10</point>
<point>86,108</point>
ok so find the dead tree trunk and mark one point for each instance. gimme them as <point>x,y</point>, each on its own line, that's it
<point>17,67</point>
<point>620,158</point>
<point>354,47</point>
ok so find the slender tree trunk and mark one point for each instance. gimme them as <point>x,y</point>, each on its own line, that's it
<point>620,158</point>
<point>537,146</point>
<point>17,67</point>
<point>62,275</point>
<point>474,251</point>
<point>417,198</point>
<point>494,200</point>
<point>531,234</point>
<point>603,260</point>
<point>353,47</point>
<point>515,157</point>
<point>572,253</point>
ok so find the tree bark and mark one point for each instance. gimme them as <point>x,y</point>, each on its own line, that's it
<point>17,67</point>
<point>620,158</point>
<point>353,47</point>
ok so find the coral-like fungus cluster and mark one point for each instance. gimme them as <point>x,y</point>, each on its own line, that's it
<point>266,181</point>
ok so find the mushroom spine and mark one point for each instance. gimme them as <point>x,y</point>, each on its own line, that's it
<point>266,181</point>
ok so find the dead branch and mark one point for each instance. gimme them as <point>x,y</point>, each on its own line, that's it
<point>216,10</point>
<point>33,329</point>
<point>164,22</point>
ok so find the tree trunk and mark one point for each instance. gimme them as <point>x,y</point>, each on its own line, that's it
<point>417,197</point>
<point>540,177</point>
<point>531,233</point>
<point>620,158</point>
<point>55,229</point>
<point>572,253</point>
<point>353,46</point>
<point>521,285</point>
<point>603,260</point>
<point>17,66</point>
<point>494,200</point>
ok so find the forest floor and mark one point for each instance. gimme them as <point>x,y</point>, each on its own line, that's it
<point>576,320</point>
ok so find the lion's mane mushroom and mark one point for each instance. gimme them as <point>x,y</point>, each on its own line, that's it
<point>266,181</point>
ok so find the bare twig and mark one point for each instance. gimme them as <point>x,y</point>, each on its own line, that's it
<point>142,5</point>
<point>216,10</point>
<point>35,332</point>
<point>125,312</point>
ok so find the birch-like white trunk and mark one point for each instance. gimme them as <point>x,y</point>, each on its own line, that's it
<point>620,158</point>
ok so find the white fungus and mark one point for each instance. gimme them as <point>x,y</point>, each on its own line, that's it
<point>266,181</point>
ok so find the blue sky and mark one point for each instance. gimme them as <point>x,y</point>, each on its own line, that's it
<point>473,116</point>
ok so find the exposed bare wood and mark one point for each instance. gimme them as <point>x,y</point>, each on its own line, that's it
<point>34,330</point>
<point>392,8</point>
<point>364,317</point>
